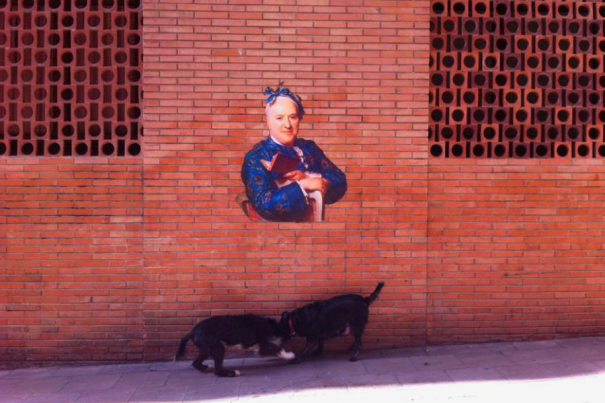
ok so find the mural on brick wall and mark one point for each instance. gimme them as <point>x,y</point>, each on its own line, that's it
<point>287,177</point>
<point>517,79</point>
<point>70,78</point>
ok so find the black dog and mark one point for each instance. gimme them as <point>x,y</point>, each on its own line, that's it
<point>334,317</point>
<point>213,335</point>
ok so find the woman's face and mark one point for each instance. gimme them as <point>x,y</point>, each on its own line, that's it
<point>283,120</point>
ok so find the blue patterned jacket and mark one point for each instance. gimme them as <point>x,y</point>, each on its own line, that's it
<point>287,203</point>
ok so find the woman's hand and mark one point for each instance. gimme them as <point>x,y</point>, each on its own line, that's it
<point>295,176</point>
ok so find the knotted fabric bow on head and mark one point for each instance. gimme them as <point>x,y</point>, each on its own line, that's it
<point>284,92</point>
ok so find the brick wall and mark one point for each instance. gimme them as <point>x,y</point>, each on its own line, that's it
<point>114,259</point>
<point>71,270</point>
<point>515,249</point>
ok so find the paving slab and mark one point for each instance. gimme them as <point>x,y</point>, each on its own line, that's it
<point>565,371</point>
<point>424,377</point>
<point>372,380</point>
<point>484,360</point>
<point>252,387</point>
<point>549,371</point>
<point>172,365</point>
<point>65,397</point>
<point>213,392</point>
<point>389,366</point>
<point>91,383</point>
<point>582,342</point>
<point>125,368</point>
<point>531,357</point>
<point>17,386</point>
<point>322,383</point>
<point>492,347</point>
<point>143,379</point>
<point>12,400</point>
<point>339,367</point>
<point>273,369</point>
<point>600,364</point>
<point>113,395</point>
<point>403,352</point>
<point>189,378</point>
<point>536,345</point>
<point>434,362</point>
<point>471,374</point>
<point>64,371</point>
<point>166,394</point>
<point>4,373</point>
<point>579,353</point>
<point>448,350</point>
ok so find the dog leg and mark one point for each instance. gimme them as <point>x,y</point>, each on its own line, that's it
<point>356,346</point>
<point>320,348</point>
<point>218,354</point>
<point>198,363</point>
<point>287,355</point>
<point>305,351</point>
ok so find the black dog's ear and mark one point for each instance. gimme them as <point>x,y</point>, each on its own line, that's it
<point>285,316</point>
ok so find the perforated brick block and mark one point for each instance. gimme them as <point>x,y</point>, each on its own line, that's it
<point>517,79</point>
<point>70,78</point>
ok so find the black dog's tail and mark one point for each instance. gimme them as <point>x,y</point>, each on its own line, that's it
<point>374,295</point>
<point>182,345</point>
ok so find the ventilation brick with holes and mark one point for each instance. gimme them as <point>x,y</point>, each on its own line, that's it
<point>517,79</point>
<point>70,78</point>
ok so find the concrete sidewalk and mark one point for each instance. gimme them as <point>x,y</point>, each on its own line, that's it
<point>567,371</point>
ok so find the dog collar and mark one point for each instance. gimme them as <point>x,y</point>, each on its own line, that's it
<point>292,332</point>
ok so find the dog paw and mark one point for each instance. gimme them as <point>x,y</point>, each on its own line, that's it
<point>227,373</point>
<point>287,355</point>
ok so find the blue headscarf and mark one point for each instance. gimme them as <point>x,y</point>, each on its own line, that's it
<point>284,92</point>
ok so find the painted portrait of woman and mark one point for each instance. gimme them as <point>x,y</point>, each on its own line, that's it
<point>289,178</point>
